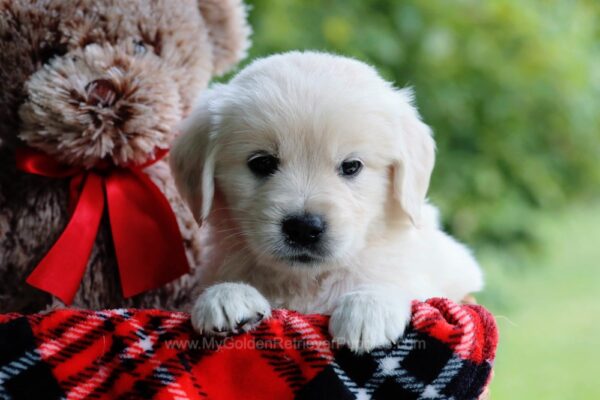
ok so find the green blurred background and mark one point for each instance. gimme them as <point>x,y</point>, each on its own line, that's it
<point>512,91</point>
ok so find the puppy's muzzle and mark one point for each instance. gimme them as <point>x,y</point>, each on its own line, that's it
<point>304,230</point>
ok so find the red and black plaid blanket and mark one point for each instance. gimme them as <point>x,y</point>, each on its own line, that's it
<point>446,353</point>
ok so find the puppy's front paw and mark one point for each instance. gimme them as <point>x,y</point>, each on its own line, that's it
<point>229,308</point>
<point>367,319</point>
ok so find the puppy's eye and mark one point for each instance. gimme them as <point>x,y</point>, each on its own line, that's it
<point>350,168</point>
<point>263,164</point>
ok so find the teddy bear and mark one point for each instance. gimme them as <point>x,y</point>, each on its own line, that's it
<point>91,95</point>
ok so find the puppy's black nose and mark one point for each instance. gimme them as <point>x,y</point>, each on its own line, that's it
<point>303,230</point>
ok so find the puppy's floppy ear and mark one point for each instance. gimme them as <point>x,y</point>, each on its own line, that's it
<point>192,159</point>
<point>416,157</point>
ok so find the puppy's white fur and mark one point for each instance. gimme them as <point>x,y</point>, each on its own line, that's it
<point>383,245</point>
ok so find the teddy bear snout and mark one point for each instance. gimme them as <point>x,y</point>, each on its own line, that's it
<point>101,103</point>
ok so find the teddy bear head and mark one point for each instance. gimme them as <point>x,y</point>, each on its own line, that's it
<point>93,81</point>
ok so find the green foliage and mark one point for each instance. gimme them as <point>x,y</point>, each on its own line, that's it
<point>510,87</point>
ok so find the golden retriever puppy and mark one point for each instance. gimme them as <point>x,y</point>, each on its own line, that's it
<point>323,168</point>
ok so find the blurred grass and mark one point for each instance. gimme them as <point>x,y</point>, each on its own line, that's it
<point>548,311</point>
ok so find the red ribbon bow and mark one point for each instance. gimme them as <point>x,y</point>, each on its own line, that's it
<point>147,241</point>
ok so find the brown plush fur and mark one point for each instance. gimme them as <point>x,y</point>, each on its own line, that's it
<point>92,80</point>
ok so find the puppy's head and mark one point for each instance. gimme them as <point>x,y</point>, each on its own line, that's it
<point>314,154</point>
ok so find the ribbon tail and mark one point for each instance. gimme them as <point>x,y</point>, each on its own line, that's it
<point>62,268</point>
<point>147,241</point>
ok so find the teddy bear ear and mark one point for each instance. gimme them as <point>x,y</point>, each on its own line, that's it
<point>228,30</point>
